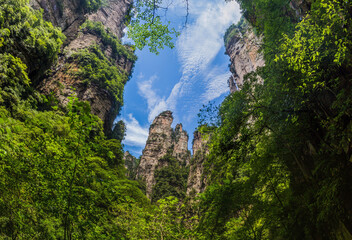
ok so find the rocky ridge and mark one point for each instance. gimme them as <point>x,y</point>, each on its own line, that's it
<point>242,46</point>
<point>162,140</point>
<point>63,82</point>
<point>196,181</point>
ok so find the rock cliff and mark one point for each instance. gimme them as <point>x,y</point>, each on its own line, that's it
<point>67,78</point>
<point>242,46</point>
<point>131,164</point>
<point>162,140</point>
<point>196,181</point>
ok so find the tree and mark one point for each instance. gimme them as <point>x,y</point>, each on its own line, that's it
<point>147,28</point>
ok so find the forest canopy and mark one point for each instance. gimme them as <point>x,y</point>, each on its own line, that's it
<point>279,160</point>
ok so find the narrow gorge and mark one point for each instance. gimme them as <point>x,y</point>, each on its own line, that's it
<point>269,158</point>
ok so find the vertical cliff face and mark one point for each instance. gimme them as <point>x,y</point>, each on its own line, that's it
<point>180,142</point>
<point>300,7</point>
<point>99,45</point>
<point>162,140</point>
<point>66,14</point>
<point>113,16</point>
<point>242,46</point>
<point>131,163</point>
<point>196,181</point>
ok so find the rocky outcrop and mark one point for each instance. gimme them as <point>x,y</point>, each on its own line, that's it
<point>64,81</point>
<point>180,150</point>
<point>196,181</point>
<point>300,7</point>
<point>113,16</point>
<point>162,140</point>
<point>131,163</point>
<point>242,46</point>
<point>70,14</point>
<point>66,14</point>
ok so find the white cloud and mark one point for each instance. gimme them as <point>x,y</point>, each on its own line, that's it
<point>197,48</point>
<point>216,84</point>
<point>136,135</point>
<point>156,104</point>
<point>201,42</point>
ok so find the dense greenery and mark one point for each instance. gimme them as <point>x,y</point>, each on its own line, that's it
<point>170,180</point>
<point>146,26</point>
<point>93,66</point>
<point>279,165</point>
<point>108,39</point>
<point>24,34</point>
<point>60,177</point>
<point>92,5</point>
<point>280,159</point>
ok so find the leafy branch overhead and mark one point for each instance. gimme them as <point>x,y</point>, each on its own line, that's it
<point>147,26</point>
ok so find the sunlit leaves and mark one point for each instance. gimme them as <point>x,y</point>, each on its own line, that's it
<point>147,28</point>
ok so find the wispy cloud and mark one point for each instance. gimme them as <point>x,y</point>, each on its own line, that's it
<point>216,84</point>
<point>197,48</point>
<point>136,135</point>
<point>156,104</point>
<point>201,79</point>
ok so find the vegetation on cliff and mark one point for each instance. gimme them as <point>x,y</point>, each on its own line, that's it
<point>279,161</point>
<point>170,180</point>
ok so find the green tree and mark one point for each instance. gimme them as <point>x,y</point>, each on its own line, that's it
<point>170,180</point>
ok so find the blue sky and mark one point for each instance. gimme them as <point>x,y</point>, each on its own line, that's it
<point>182,79</point>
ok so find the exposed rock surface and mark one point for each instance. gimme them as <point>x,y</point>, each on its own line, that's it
<point>244,45</point>
<point>196,181</point>
<point>63,81</point>
<point>113,16</point>
<point>66,14</point>
<point>130,164</point>
<point>243,49</point>
<point>300,7</point>
<point>162,140</point>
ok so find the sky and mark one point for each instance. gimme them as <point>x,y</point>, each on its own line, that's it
<point>184,78</point>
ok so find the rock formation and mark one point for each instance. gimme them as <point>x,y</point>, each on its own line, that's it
<point>196,182</point>
<point>300,7</point>
<point>162,140</point>
<point>131,163</point>
<point>66,14</point>
<point>242,45</point>
<point>64,81</point>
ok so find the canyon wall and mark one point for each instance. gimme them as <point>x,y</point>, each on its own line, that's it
<point>242,46</point>
<point>162,140</point>
<point>196,181</point>
<point>66,78</point>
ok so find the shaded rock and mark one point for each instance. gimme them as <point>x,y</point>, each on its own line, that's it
<point>196,181</point>
<point>63,81</point>
<point>243,49</point>
<point>162,140</point>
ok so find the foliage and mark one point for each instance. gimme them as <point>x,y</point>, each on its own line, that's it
<point>119,131</point>
<point>60,177</point>
<point>170,180</point>
<point>165,220</point>
<point>279,163</point>
<point>109,39</point>
<point>24,34</point>
<point>147,28</point>
<point>209,115</point>
<point>92,5</point>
